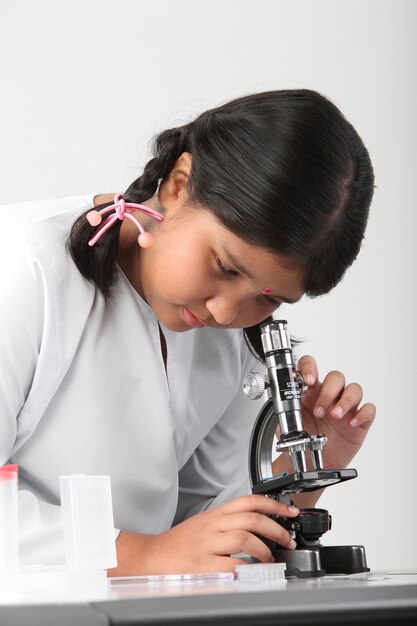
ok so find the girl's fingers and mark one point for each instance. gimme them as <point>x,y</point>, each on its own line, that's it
<point>332,397</point>
<point>307,367</point>
<point>258,524</point>
<point>364,417</point>
<point>350,399</point>
<point>258,504</point>
<point>244,518</point>
<point>330,392</point>
<point>236,541</point>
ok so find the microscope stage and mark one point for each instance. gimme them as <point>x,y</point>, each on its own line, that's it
<point>304,481</point>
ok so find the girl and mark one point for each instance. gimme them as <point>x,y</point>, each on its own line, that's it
<point>130,321</point>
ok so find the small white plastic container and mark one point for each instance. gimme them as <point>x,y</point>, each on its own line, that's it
<point>8,529</point>
<point>261,573</point>
<point>88,522</point>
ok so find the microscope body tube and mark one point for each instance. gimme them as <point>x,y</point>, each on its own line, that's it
<point>285,387</point>
<point>283,378</point>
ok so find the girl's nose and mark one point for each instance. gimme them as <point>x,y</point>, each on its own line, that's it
<point>224,309</point>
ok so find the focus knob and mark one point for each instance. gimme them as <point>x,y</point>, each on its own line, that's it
<point>254,385</point>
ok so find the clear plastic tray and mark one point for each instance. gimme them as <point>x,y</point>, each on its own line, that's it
<point>161,578</point>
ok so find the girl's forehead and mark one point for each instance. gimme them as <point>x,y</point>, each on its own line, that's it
<point>261,264</point>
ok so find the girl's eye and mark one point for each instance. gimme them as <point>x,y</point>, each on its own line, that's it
<point>270,300</point>
<point>227,271</point>
<point>224,269</point>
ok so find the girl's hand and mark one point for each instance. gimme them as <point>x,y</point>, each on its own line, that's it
<point>204,542</point>
<point>332,408</point>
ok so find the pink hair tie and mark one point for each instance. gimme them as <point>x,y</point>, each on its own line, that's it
<point>121,210</point>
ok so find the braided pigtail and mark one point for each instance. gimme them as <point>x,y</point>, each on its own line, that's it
<point>98,263</point>
<point>167,148</point>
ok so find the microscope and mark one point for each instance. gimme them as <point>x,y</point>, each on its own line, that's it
<point>284,387</point>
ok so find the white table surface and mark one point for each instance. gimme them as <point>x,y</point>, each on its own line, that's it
<point>143,589</point>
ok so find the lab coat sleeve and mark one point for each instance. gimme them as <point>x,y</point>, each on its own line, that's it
<point>218,471</point>
<point>21,322</point>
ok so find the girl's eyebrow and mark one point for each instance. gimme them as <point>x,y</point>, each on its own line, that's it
<point>243,270</point>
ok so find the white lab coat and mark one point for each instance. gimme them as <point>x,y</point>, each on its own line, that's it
<point>83,389</point>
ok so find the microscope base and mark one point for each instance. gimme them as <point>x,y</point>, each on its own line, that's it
<point>316,562</point>
<point>343,559</point>
<point>300,563</point>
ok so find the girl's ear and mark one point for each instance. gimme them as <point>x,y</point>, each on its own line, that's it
<point>174,187</point>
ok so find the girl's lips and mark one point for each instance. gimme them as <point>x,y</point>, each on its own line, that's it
<point>190,319</point>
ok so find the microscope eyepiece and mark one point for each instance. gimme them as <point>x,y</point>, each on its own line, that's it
<point>274,336</point>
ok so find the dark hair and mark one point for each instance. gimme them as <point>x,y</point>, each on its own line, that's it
<point>281,169</point>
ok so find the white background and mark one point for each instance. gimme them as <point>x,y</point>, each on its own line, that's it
<point>85,84</point>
